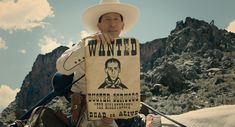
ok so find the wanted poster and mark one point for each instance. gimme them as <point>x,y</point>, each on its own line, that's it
<point>113,78</point>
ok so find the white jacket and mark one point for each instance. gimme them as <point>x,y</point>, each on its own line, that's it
<point>73,61</point>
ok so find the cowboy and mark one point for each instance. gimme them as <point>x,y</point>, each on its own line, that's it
<point>108,20</point>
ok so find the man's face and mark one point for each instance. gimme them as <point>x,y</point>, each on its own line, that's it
<point>111,23</point>
<point>112,70</point>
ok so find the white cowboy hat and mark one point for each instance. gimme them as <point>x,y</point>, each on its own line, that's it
<point>91,16</point>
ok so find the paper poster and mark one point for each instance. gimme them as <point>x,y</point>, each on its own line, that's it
<point>113,78</point>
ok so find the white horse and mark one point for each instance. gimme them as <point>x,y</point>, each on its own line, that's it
<point>221,116</point>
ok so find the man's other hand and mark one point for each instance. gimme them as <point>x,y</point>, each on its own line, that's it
<point>102,38</point>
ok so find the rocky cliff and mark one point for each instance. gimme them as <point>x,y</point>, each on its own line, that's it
<point>148,48</point>
<point>36,85</point>
<point>192,68</point>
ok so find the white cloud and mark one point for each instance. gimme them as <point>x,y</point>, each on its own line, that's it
<point>23,51</point>
<point>23,14</point>
<point>7,95</point>
<point>47,44</point>
<point>3,44</point>
<point>84,34</point>
<point>231,27</point>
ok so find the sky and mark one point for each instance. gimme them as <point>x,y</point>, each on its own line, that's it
<point>32,27</point>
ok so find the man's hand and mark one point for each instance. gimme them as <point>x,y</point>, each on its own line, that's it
<point>107,120</point>
<point>102,38</point>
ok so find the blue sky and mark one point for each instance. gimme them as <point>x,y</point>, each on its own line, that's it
<point>32,27</point>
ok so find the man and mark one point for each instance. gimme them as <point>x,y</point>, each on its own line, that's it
<point>107,20</point>
<point>112,69</point>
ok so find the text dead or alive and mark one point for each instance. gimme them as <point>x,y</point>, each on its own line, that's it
<point>120,47</point>
<point>115,97</point>
<point>120,114</point>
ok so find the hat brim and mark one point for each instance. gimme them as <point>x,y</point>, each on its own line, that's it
<point>91,16</point>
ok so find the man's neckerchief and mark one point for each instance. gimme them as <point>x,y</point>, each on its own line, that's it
<point>113,84</point>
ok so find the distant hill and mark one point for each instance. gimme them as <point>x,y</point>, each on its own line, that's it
<point>36,85</point>
<point>192,68</point>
